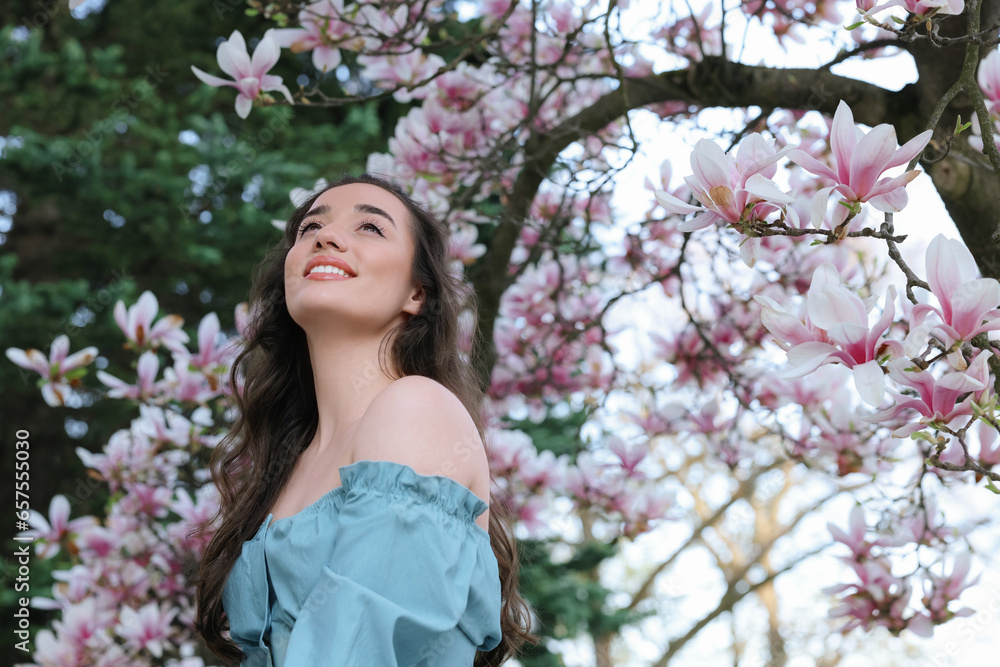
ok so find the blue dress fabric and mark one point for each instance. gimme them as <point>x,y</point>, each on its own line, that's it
<point>390,569</point>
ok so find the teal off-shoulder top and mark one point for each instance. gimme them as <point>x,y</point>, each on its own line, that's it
<point>390,569</point>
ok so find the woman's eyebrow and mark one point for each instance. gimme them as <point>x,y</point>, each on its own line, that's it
<point>359,208</point>
<point>374,210</point>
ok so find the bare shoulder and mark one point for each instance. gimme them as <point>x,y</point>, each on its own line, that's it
<point>419,422</point>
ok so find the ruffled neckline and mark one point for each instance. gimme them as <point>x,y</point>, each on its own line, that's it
<point>384,476</point>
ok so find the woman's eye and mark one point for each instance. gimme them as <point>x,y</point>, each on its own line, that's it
<point>306,226</point>
<point>367,224</point>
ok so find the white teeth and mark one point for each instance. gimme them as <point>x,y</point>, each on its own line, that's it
<point>326,268</point>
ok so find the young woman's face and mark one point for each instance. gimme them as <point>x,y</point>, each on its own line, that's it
<point>365,232</point>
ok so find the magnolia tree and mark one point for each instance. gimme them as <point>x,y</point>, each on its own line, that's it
<point>775,348</point>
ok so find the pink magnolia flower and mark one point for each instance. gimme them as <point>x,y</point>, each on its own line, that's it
<point>937,398</point>
<point>148,628</point>
<point>51,650</point>
<point>988,77</point>
<point>147,368</point>
<point>137,324</point>
<point>940,590</point>
<point>629,455</point>
<point>979,371</point>
<point>989,444</point>
<point>58,526</point>
<point>321,30</point>
<point>968,303</point>
<point>644,504</point>
<point>402,71</point>
<point>854,538</point>
<point>846,338</point>
<point>57,380</point>
<point>926,7</point>
<point>462,244</point>
<point>879,598</point>
<point>921,8</point>
<point>859,160</point>
<point>209,349</point>
<point>731,190</point>
<point>187,385</point>
<point>250,75</point>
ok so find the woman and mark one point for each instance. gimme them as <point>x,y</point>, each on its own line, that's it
<point>354,525</point>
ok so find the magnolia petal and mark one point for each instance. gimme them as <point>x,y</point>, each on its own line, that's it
<point>955,383</point>
<point>272,82</point>
<point>843,139</point>
<point>870,158</point>
<point>266,55</point>
<point>325,58</point>
<point>147,367</point>
<point>285,37</point>
<point>78,359</point>
<point>674,205</point>
<point>920,625</point>
<point>783,326</point>
<point>233,57</point>
<point>31,359</point>
<point>765,160</point>
<point>766,189</point>
<point>824,274</point>
<point>909,429</point>
<point>754,148</point>
<point>893,201</point>
<point>53,395</point>
<point>891,413</point>
<point>953,454</point>
<point>121,316</point>
<point>830,305</point>
<point>910,149</point>
<point>817,209</point>
<point>210,80</point>
<point>971,302</point>
<point>811,164</point>
<point>208,330</point>
<point>749,249</point>
<point>111,381</point>
<point>700,221</point>
<point>710,165</point>
<point>888,313</point>
<point>243,105</point>
<point>870,382</point>
<point>949,265</point>
<point>146,308</point>
<point>59,512</point>
<point>848,333</point>
<point>807,357</point>
<point>58,349</point>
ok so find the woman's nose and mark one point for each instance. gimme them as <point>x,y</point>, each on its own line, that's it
<point>329,234</point>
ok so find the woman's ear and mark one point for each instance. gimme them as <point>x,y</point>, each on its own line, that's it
<point>412,305</point>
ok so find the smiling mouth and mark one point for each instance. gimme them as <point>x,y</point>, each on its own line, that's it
<point>328,271</point>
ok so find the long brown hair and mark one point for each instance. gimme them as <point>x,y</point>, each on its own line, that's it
<point>277,404</point>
